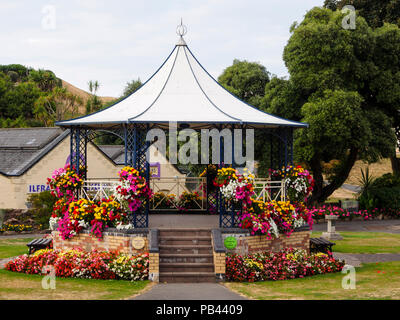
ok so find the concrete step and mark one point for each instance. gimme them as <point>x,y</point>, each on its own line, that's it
<point>185,240</point>
<point>186,267</point>
<point>187,232</point>
<point>187,277</point>
<point>185,249</point>
<point>187,258</point>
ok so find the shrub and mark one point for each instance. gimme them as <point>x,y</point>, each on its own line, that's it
<point>42,207</point>
<point>383,192</point>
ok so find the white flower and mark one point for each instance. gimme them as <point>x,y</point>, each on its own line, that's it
<point>121,226</point>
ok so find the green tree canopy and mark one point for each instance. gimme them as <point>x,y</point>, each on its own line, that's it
<point>246,80</point>
<point>131,87</point>
<point>376,12</point>
<point>339,85</point>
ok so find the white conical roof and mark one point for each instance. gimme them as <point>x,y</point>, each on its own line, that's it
<point>181,91</point>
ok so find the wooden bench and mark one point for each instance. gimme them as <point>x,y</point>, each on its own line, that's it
<point>321,245</point>
<point>37,244</point>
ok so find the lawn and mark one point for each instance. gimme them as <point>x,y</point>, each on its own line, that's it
<point>16,286</point>
<point>13,247</point>
<point>373,281</point>
<point>366,242</point>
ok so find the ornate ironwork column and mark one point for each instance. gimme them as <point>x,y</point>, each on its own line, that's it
<point>136,148</point>
<point>78,150</point>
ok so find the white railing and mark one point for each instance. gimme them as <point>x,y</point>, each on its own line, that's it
<point>267,190</point>
<point>176,186</point>
<point>96,189</point>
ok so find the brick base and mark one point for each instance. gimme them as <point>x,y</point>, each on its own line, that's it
<point>110,242</point>
<point>257,244</point>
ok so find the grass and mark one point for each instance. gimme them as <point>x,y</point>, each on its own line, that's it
<point>16,286</point>
<point>366,242</point>
<point>13,247</point>
<point>373,281</point>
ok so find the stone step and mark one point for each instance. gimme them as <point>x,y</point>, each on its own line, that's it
<point>185,249</point>
<point>188,258</point>
<point>186,267</point>
<point>187,232</point>
<point>187,277</point>
<point>185,240</point>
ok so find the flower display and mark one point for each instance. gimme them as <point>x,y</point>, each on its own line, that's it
<point>189,200</point>
<point>162,200</point>
<point>273,218</point>
<point>287,264</point>
<point>298,182</point>
<point>77,263</point>
<point>265,218</point>
<point>96,216</point>
<point>64,182</point>
<point>132,191</point>
<point>233,186</point>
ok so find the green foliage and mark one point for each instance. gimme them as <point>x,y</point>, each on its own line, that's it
<point>246,80</point>
<point>20,90</point>
<point>382,193</point>
<point>46,80</point>
<point>93,104</point>
<point>346,85</point>
<point>20,100</point>
<point>42,206</point>
<point>283,99</point>
<point>17,72</point>
<point>131,87</point>
<point>375,12</point>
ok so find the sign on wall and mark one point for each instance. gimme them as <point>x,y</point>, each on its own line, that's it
<point>155,170</point>
<point>36,188</point>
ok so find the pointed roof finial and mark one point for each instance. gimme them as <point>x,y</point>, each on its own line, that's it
<point>181,31</point>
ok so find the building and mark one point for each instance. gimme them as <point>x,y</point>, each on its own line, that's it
<point>28,156</point>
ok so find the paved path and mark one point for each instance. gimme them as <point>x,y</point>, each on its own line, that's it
<point>22,235</point>
<point>3,262</point>
<point>189,291</point>
<point>389,226</point>
<point>357,259</point>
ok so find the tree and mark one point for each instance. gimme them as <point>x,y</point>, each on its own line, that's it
<point>56,106</point>
<point>131,87</point>
<point>20,100</point>
<point>93,103</point>
<point>45,80</point>
<point>375,12</point>
<point>338,81</point>
<point>246,80</point>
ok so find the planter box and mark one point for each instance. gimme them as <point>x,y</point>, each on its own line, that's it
<point>246,243</point>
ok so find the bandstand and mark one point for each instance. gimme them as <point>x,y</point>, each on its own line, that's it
<point>181,92</point>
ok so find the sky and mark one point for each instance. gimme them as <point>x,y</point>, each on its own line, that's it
<point>117,41</point>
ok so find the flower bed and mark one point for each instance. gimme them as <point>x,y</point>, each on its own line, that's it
<point>15,227</point>
<point>286,264</point>
<point>318,213</point>
<point>77,263</point>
